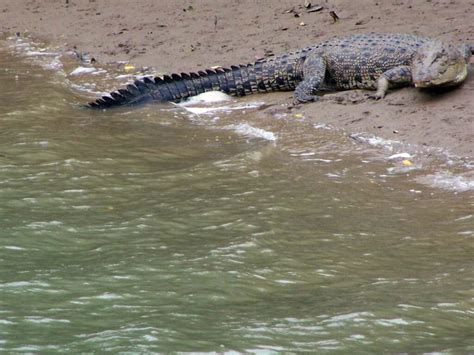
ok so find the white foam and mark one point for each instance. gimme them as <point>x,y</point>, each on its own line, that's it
<point>379,142</point>
<point>12,247</point>
<point>82,70</point>
<point>322,126</point>
<point>55,64</point>
<point>254,132</point>
<point>25,284</point>
<point>400,156</point>
<point>150,338</point>
<point>20,45</point>
<point>35,319</point>
<point>351,317</point>
<point>40,54</point>
<point>448,181</point>
<point>108,296</point>
<point>212,110</point>
<point>395,322</point>
<point>285,282</point>
<point>125,76</point>
<point>99,72</point>
<point>84,88</point>
<point>469,216</point>
<point>4,321</point>
<point>44,224</point>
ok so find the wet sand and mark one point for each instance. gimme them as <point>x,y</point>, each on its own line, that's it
<point>189,35</point>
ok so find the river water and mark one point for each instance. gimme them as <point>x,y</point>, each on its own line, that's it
<point>155,230</point>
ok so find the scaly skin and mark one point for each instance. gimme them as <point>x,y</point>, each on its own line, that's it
<point>375,61</point>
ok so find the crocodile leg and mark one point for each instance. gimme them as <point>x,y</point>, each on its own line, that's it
<point>314,70</point>
<point>394,77</point>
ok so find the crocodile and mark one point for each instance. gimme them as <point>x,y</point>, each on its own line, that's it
<point>374,61</point>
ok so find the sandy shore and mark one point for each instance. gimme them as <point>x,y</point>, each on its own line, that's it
<point>185,35</point>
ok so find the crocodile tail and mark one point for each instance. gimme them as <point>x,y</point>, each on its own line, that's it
<point>162,89</point>
<point>275,74</point>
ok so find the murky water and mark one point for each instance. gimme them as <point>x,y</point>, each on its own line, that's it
<point>150,229</point>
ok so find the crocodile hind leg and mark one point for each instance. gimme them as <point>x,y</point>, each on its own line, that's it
<point>314,70</point>
<point>398,76</point>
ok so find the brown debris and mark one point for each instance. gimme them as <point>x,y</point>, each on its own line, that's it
<point>314,9</point>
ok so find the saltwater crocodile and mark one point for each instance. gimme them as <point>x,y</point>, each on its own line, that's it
<point>376,61</point>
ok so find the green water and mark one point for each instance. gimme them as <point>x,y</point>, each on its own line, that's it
<point>147,230</point>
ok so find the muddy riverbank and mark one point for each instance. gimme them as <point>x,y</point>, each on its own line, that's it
<point>188,35</point>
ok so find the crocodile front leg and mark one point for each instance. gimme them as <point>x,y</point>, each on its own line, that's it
<point>314,70</point>
<point>398,76</point>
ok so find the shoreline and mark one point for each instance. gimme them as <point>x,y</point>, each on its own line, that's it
<point>188,35</point>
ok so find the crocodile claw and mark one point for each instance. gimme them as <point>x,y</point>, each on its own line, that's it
<point>302,98</point>
<point>376,97</point>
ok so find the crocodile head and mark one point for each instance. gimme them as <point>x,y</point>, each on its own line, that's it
<point>439,64</point>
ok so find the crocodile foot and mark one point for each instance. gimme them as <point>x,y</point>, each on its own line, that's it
<point>304,98</point>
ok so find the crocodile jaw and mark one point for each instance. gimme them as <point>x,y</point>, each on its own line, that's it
<point>438,65</point>
<point>457,78</point>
